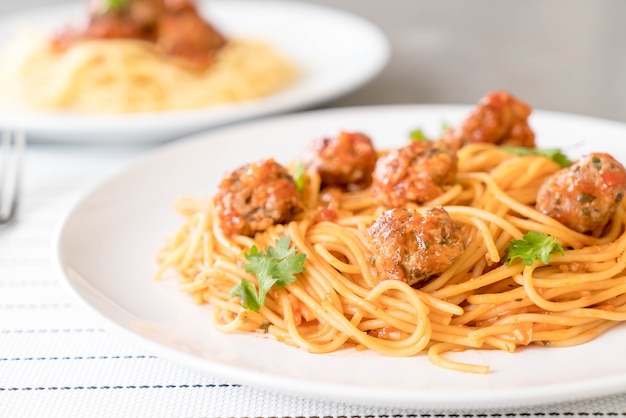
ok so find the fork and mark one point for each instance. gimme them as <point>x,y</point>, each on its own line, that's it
<point>12,146</point>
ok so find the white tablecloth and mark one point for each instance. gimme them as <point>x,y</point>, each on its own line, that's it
<point>57,361</point>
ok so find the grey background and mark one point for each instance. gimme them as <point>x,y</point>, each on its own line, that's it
<point>560,55</point>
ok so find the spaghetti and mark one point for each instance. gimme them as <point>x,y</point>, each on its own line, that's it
<point>126,76</point>
<point>478,303</point>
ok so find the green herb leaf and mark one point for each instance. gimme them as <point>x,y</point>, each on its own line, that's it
<point>418,135</point>
<point>299,176</point>
<point>533,246</point>
<point>585,198</point>
<point>276,266</point>
<point>247,293</point>
<point>552,153</point>
<point>113,5</point>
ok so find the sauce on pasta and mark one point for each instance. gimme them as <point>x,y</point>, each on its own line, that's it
<point>411,254</point>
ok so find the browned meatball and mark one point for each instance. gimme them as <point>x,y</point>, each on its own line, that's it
<point>256,196</point>
<point>111,26</point>
<point>415,173</point>
<point>185,35</point>
<point>175,26</point>
<point>410,247</point>
<point>135,20</point>
<point>499,118</point>
<point>584,197</point>
<point>346,161</point>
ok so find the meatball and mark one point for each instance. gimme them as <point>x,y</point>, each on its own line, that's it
<point>256,196</point>
<point>346,161</point>
<point>499,118</point>
<point>415,173</point>
<point>175,26</point>
<point>410,247</point>
<point>584,197</point>
<point>110,26</point>
<point>186,36</point>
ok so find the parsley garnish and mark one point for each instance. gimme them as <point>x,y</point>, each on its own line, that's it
<point>275,266</point>
<point>114,5</point>
<point>299,176</point>
<point>418,135</point>
<point>553,154</point>
<point>533,246</point>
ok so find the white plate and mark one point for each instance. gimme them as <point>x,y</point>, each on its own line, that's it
<point>106,247</point>
<point>337,52</point>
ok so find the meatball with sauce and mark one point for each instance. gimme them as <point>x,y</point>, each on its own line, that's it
<point>346,161</point>
<point>410,247</point>
<point>256,196</point>
<point>175,26</point>
<point>184,35</point>
<point>584,197</point>
<point>416,173</point>
<point>499,118</point>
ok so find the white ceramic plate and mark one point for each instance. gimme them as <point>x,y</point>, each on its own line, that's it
<point>337,52</point>
<point>106,246</point>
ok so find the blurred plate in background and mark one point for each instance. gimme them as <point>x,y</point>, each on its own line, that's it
<point>336,52</point>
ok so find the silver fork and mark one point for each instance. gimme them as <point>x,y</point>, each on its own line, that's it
<point>12,146</point>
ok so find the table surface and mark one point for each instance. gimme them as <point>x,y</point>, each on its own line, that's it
<point>55,360</point>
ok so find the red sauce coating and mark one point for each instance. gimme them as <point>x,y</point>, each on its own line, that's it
<point>174,26</point>
<point>410,247</point>
<point>584,197</point>
<point>346,161</point>
<point>498,118</point>
<point>256,196</point>
<point>415,173</point>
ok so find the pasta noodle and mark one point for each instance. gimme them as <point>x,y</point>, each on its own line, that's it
<point>124,76</point>
<point>478,303</point>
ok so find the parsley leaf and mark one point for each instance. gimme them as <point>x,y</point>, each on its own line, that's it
<point>299,176</point>
<point>275,266</point>
<point>533,246</point>
<point>106,6</point>
<point>418,135</point>
<point>553,154</point>
<point>248,295</point>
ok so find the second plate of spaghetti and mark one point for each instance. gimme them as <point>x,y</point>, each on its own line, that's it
<point>441,341</point>
<point>59,81</point>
